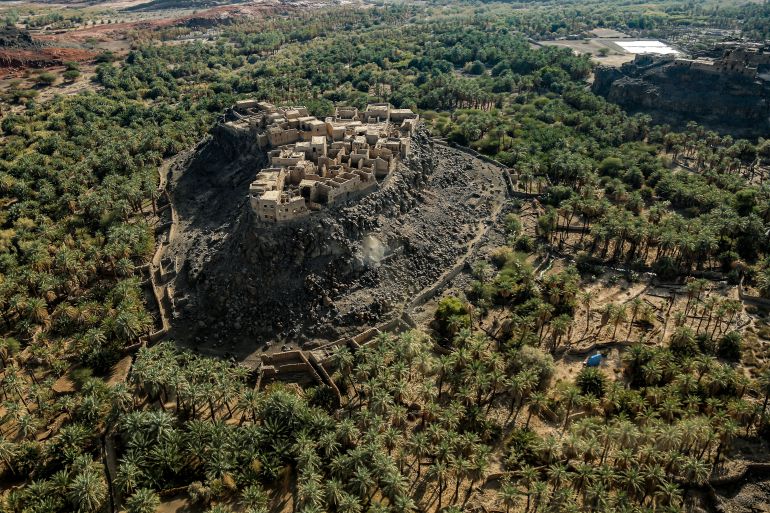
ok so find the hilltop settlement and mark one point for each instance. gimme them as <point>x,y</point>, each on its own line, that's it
<point>316,164</point>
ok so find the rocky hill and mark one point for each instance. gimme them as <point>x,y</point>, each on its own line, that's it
<point>675,93</point>
<point>338,271</point>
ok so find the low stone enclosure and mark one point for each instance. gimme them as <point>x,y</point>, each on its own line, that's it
<point>315,366</point>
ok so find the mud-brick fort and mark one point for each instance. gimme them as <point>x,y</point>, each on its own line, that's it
<point>315,164</point>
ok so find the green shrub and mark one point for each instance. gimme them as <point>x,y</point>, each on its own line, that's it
<point>683,342</point>
<point>9,346</point>
<point>729,346</point>
<point>523,445</point>
<point>610,166</point>
<point>475,68</point>
<point>71,75</point>
<point>666,268</point>
<point>46,78</point>
<point>451,316</point>
<point>501,256</point>
<point>512,224</point>
<point>525,244</point>
<point>323,396</point>
<point>591,381</point>
<point>105,56</point>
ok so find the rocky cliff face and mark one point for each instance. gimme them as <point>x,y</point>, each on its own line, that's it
<point>675,94</point>
<point>228,144</point>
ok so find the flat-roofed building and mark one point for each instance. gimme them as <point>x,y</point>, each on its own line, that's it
<point>316,164</point>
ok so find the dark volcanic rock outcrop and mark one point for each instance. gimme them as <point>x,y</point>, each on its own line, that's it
<point>11,37</point>
<point>239,284</point>
<point>676,91</point>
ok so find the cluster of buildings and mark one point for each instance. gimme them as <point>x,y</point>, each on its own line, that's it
<point>749,61</point>
<point>316,164</point>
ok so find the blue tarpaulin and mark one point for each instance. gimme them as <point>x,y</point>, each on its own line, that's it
<point>594,361</point>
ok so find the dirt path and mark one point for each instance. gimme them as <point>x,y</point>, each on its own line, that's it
<point>482,231</point>
<point>155,268</point>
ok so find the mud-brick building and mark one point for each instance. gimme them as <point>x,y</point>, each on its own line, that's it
<point>317,164</point>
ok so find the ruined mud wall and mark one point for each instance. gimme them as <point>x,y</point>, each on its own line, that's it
<point>675,93</point>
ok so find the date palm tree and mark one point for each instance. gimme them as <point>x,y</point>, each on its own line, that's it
<point>363,481</point>
<point>8,452</point>
<point>763,385</point>
<point>633,482</point>
<point>584,476</point>
<point>88,491</point>
<point>667,494</point>
<point>345,363</point>
<point>617,315</point>
<point>334,492</point>
<point>419,447</point>
<point>9,346</point>
<point>695,470</point>
<point>439,471</point>
<point>310,491</point>
<point>636,306</point>
<point>509,495</point>
<point>478,467</point>
<point>560,326</point>
<point>349,503</point>
<point>726,432</point>
<point>460,467</point>
<point>571,396</point>
<point>143,500</point>
<point>539,491</point>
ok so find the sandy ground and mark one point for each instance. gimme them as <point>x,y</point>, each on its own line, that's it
<point>178,504</point>
<point>608,33</point>
<point>615,57</point>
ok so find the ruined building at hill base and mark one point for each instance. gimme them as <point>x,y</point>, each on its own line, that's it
<point>726,89</point>
<point>316,164</point>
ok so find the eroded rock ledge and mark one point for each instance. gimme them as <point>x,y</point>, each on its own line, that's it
<point>723,95</point>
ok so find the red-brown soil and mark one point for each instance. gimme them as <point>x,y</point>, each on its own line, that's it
<point>215,15</point>
<point>42,57</point>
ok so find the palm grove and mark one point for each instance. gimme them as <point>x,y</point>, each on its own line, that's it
<point>419,423</point>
